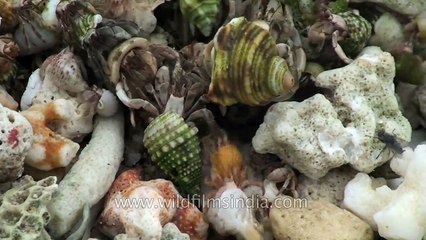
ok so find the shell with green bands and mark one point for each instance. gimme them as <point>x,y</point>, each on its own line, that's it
<point>175,148</point>
<point>201,13</point>
<point>359,30</point>
<point>246,66</point>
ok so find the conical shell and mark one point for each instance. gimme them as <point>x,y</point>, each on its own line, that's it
<point>247,67</point>
<point>174,146</point>
<point>359,30</point>
<point>201,13</point>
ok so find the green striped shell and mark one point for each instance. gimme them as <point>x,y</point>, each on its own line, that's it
<point>201,13</point>
<point>175,148</point>
<point>246,67</point>
<point>359,30</point>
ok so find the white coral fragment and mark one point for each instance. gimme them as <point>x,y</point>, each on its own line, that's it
<point>16,136</point>
<point>364,97</point>
<point>307,135</point>
<point>91,176</point>
<point>230,214</point>
<point>397,214</point>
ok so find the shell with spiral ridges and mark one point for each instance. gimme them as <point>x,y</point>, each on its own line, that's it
<point>359,30</point>
<point>201,13</point>
<point>175,148</point>
<point>246,66</point>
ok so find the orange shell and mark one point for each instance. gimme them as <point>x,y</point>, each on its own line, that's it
<point>227,161</point>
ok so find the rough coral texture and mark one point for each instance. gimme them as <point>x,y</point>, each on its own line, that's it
<point>230,214</point>
<point>364,98</point>
<point>23,209</point>
<point>91,176</point>
<point>146,222</point>
<point>62,76</point>
<point>171,232</point>
<point>307,135</point>
<point>329,188</point>
<point>398,213</point>
<point>16,136</point>
<point>50,150</point>
<point>315,220</point>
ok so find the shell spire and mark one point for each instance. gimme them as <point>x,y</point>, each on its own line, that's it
<point>247,67</point>
<point>202,13</point>
<point>174,146</point>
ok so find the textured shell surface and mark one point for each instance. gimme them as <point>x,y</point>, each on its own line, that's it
<point>202,13</point>
<point>174,146</point>
<point>359,30</point>
<point>247,67</point>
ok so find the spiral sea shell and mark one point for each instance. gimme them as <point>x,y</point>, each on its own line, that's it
<point>359,30</point>
<point>174,146</point>
<point>202,13</point>
<point>247,67</point>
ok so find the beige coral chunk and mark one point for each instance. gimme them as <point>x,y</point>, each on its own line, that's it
<point>49,150</point>
<point>317,220</point>
<point>16,136</point>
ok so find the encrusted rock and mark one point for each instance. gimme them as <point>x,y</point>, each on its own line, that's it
<point>317,220</point>
<point>328,188</point>
<point>23,209</point>
<point>307,135</point>
<point>16,136</point>
<point>171,232</point>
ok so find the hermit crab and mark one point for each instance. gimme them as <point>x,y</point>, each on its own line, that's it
<point>165,92</point>
<point>348,31</point>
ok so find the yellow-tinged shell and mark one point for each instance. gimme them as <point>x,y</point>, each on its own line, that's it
<point>226,159</point>
<point>9,19</point>
<point>201,13</point>
<point>247,67</point>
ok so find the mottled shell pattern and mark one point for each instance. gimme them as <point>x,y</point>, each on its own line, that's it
<point>201,13</point>
<point>175,148</point>
<point>9,19</point>
<point>359,31</point>
<point>247,67</point>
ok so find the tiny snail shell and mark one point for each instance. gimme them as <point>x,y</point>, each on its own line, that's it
<point>107,105</point>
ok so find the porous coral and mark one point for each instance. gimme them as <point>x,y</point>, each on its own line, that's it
<point>23,209</point>
<point>91,176</point>
<point>16,136</point>
<point>319,134</point>
<point>395,213</point>
<point>307,135</point>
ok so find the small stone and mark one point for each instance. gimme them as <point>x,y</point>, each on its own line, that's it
<point>318,220</point>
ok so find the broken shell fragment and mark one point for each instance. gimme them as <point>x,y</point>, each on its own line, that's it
<point>247,67</point>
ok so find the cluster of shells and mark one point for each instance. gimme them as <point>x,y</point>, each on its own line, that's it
<point>194,80</point>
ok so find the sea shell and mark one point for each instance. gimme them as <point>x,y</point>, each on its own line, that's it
<point>9,50</point>
<point>9,19</point>
<point>247,67</point>
<point>359,32</point>
<point>174,146</point>
<point>202,13</point>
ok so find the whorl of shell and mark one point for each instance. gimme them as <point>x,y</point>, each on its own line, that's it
<point>359,30</point>
<point>202,13</point>
<point>174,146</point>
<point>247,67</point>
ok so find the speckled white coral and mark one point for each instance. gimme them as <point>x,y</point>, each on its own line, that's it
<point>364,97</point>
<point>16,136</point>
<point>307,135</point>
<point>397,214</point>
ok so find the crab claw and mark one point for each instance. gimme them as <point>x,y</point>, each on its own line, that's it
<point>7,100</point>
<point>134,103</point>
